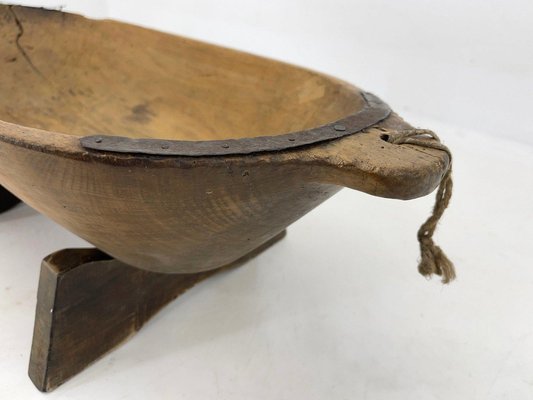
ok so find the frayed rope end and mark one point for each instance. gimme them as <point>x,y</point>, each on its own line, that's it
<point>433,261</point>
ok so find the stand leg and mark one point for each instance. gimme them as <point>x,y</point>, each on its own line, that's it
<point>7,200</point>
<point>89,303</point>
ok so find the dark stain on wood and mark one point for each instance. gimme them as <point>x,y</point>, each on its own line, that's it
<point>141,113</point>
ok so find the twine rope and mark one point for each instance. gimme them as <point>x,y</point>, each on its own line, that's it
<point>433,261</point>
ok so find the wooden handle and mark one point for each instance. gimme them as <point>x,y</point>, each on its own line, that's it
<point>367,162</point>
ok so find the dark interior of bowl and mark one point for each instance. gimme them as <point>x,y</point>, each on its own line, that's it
<point>65,73</point>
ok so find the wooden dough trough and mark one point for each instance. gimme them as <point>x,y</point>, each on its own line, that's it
<point>174,158</point>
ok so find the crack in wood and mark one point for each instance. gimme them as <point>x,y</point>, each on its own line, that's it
<point>19,46</point>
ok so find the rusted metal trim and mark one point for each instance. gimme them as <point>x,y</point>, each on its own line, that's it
<point>373,111</point>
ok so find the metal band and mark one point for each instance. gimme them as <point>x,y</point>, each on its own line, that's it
<point>373,111</point>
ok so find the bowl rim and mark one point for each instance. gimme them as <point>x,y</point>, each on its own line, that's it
<point>373,111</point>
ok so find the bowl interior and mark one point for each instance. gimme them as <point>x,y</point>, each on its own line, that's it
<point>65,73</point>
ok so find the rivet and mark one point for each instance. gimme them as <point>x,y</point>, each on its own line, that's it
<point>98,140</point>
<point>292,139</point>
<point>164,146</point>
<point>226,146</point>
<point>340,128</point>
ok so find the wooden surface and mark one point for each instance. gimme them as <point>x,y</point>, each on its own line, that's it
<point>89,303</point>
<point>177,214</point>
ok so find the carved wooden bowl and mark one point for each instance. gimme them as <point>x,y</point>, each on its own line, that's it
<point>174,155</point>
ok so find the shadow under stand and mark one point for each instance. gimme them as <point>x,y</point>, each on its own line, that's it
<point>7,200</point>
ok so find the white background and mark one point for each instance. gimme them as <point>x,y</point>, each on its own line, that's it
<point>337,310</point>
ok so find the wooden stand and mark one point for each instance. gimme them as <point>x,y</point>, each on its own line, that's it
<point>88,303</point>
